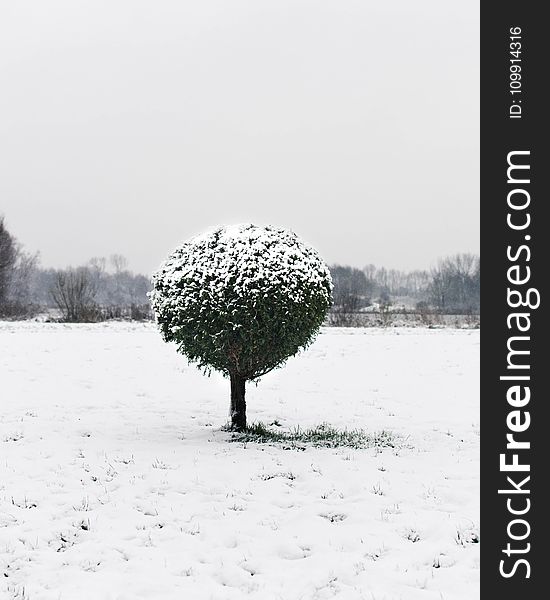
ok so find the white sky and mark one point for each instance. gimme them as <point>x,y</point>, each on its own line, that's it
<point>127,126</point>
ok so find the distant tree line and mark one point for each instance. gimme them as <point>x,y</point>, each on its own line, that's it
<point>104,288</point>
<point>451,287</point>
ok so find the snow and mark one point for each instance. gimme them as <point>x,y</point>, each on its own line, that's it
<point>247,260</point>
<point>117,483</point>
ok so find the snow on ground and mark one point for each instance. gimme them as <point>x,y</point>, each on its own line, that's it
<point>117,483</point>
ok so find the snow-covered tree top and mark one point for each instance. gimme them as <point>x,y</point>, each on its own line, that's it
<point>242,299</point>
<point>247,257</point>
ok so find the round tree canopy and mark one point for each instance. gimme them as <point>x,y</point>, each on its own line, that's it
<point>242,299</point>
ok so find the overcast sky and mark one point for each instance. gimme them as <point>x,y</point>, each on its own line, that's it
<point>127,126</point>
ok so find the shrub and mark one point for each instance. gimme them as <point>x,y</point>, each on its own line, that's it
<point>241,300</point>
<point>74,292</point>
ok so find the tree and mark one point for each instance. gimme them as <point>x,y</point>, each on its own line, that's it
<point>17,269</point>
<point>119,263</point>
<point>8,259</point>
<point>351,288</point>
<point>241,300</point>
<point>455,284</point>
<point>22,280</point>
<point>74,292</point>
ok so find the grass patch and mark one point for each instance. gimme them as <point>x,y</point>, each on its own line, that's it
<point>323,435</point>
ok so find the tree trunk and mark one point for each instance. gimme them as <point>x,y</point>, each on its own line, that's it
<point>238,404</point>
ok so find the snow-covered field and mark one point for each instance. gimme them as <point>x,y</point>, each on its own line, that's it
<point>117,483</point>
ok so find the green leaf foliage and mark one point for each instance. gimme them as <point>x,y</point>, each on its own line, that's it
<point>242,299</point>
